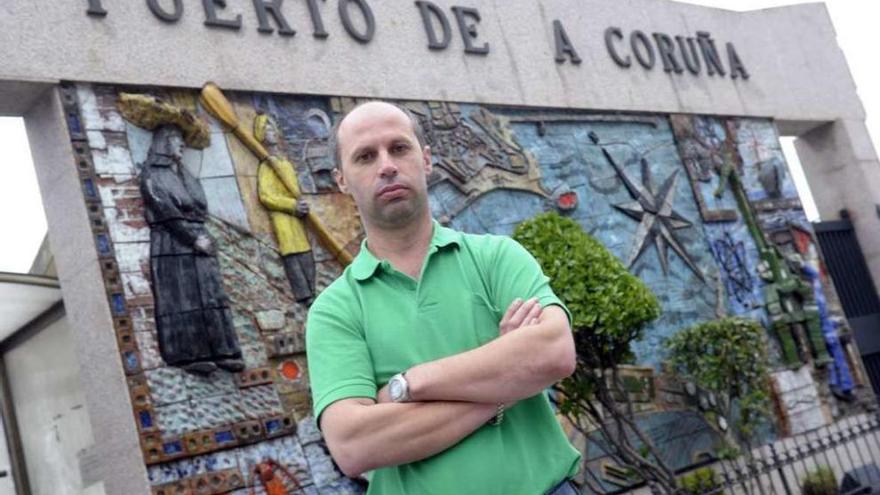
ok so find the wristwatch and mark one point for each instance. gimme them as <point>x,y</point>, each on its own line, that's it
<point>398,388</point>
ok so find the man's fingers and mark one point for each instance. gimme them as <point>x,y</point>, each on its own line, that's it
<point>534,314</point>
<point>511,309</point>
<point>521,314</point>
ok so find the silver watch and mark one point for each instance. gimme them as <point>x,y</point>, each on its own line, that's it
<point>398,388</point>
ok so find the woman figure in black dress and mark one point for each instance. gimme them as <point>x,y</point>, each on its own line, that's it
<point>193,319</point>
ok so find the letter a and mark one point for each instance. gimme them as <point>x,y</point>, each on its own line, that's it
<point>563,44</point>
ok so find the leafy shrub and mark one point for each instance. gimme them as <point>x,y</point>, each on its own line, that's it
<point>609,306</point>
<point>821,481</point>
<point>727,357</point>
<point>699,481</point>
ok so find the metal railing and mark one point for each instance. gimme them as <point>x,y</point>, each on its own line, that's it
<point>849,447</point>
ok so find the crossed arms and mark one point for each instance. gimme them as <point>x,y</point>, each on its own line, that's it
<point>453,396</point>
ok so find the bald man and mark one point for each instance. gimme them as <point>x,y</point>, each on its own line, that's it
<point>417,374</point>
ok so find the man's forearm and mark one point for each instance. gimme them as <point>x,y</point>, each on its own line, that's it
<point>514,366</point>
<point>363,436</point>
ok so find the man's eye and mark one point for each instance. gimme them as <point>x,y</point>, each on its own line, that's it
<point>364,157</point>
<point>400,148</point>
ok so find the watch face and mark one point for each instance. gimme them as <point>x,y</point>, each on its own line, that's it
<point>395,389</point>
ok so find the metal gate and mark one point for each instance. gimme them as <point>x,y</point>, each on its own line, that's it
<point>858,295</point>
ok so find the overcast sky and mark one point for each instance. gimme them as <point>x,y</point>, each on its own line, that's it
<point>23,223</point>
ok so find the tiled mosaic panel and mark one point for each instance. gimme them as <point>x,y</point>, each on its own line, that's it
<point>570,160</point>
<point>181,403</point>
<point>494,167</point>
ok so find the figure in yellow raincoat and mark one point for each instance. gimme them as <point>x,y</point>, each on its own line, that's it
<point>286,212</point>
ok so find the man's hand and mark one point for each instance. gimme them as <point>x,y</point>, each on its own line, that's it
<point>302,208</point>
<point>519,313</point>
<point>383,396</point>
<point>204,245</point>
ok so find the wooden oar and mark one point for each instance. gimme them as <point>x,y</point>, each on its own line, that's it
<point>217,105</point>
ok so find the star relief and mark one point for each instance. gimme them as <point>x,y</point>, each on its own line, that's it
<point>654,211</point>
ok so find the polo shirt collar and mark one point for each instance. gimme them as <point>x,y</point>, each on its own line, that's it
<point>365,264</point>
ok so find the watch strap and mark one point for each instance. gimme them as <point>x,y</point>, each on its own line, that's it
<point>499,415</point>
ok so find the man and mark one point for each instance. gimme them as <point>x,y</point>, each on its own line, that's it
<point>415,372</point>
<point>287,214</point>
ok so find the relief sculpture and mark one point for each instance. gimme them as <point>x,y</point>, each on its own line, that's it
<point>286,211</point>
<point>193,319</point>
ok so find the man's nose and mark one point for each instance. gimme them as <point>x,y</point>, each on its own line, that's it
<point>387,165</point>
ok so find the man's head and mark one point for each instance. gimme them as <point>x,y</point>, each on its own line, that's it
<point>383,163</point>
<point>333,142</point>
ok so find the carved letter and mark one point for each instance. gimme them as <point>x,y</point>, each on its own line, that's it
<point>159,12</point>
<point>427,9</point>
<point>646,60</point>
<point>211,18</point>
<point>563,44</point>
<point>469,31</point>
<point>317,21</point>
<point>692,59</point>
<point>610,33</point>
<point>710,54</point>
<point>667,53</point>
<point>370,21</point>
<point>265,8</point>
<point>736,66</point>
<point>96,9</point>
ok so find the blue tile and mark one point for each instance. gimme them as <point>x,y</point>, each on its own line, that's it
<point>273,425</point>
<point>73,123</point>
<point>118,304</point>
<point>146,419</point>
<point>222,437</point>
<point>171,448</point>
<point>131,360</point>
<point>103,244</point>
<point>89,188</point>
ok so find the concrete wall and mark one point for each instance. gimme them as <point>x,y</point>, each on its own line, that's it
<point>797,71</point>
<point>82,286</point>
<point>841,164</point>
<point>53,418</point>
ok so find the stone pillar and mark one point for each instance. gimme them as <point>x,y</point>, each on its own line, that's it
<point>843,171</point>
<point>116,457</point>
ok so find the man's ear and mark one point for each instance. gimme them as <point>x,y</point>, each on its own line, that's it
<point>340,180</point>
<point>426,156</point>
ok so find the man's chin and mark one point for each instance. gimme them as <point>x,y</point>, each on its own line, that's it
<point>397,213</point>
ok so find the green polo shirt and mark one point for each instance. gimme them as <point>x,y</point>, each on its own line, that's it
<point>374,321</point>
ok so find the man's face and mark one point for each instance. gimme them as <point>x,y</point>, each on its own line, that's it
<point>382,165</point>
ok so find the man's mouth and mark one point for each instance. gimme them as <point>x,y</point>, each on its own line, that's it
<point>391,191</point>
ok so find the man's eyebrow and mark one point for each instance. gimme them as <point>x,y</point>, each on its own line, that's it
<point>357,151</point>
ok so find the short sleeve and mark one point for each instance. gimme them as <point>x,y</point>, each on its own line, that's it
<point>339,362</point>
<point>514,272</point>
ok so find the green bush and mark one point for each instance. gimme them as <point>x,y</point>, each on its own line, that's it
<point>609,306</point>
<point>699,481</point>
<point>821,481</point>
<point>727,357</point>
